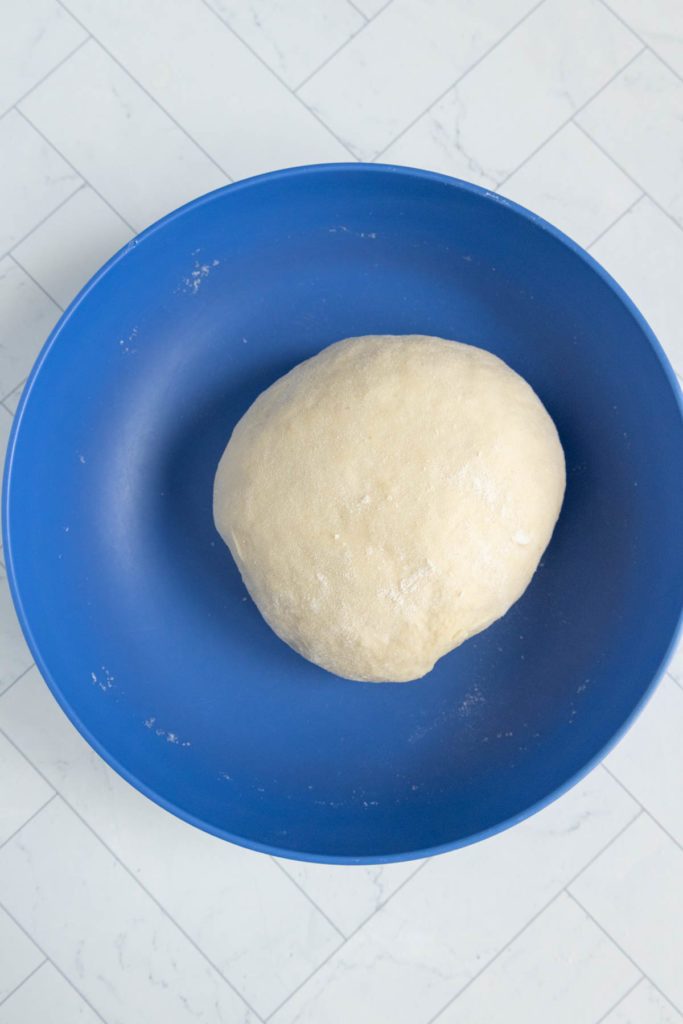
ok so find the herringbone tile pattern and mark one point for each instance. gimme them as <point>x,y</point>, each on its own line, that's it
<point>112,113</point>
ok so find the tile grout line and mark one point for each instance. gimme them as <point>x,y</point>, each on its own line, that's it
<point>50,961</point>
<point>619,947</point>
<point>37,283</point>
<point>334,53</point>
<point>52,70</point>
<point>3,400</point>
<point>32,665</point>
<point>372,913</point>
<point>482,970</point>
<point>645,43</point>
<point>32,816</point>
<point>146,91</point>
<point>459,78</point>
<point>382,8</point>
<point>130,873</point>
<point>616,220</point>
<point>409,879</point>
<point>84,184</point>
<point>304,81</point>
<point>166,913</point>
<point>645,810</point>
<point>383,903</point>
<point>309,899</point>
<point>351,4</point>
<point>20,241</point>
<point>346,940</point>
<point>648,813</point>
<point>619,1001</point>
<point>75,169</point>
<point>343,937</point>
<point>623,22</point>
<point>570,120</point>
<point>527,924</point>
<point>23,981</point>
<point>602,149</point>
<point>277,77</point>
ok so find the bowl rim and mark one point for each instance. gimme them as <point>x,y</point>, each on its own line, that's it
<point>255,181</point>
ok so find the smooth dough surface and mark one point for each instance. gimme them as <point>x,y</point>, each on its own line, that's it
<point>389,498</point>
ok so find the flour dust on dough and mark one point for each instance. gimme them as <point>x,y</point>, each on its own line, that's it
<point>389,498</point>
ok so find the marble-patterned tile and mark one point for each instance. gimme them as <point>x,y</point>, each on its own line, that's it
<point>645,1005</point>
<point>571,183</point>
<point>47,998</point>
<point>11,401</point>
<point>42,34</point>
<point>104,932</point>
<point>293,37</point>
<point>120,140</point>
<point>651,755</point>
<point>562,968</point>
<point>241,909</point>
<point>19,955</point>
<point>371,8</point>
<point>401,62</point>
<point>659,23</point>
<point>66,249</point>
<point>638,120</point>
<point>349,895</point>
<point>634,891</point>
<point>239,111</point>
<point>523,91</point>
<point>6,414</point>
<point>34,179</point>
<point>446,923</point>
<point>5,427</point>
<point>675,666</point>
<point>23,790</point>
<point>644,252</point>
<point>15,656</point>
<point>27,316</point>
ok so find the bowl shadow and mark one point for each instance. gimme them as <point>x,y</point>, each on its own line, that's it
<point>184,485</point>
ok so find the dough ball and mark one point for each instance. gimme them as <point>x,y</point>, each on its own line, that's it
<point>389,498</point>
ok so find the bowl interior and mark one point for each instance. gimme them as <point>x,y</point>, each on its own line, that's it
<point>133,605</point>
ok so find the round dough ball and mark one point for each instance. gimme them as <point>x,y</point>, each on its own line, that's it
<point>387,499</point>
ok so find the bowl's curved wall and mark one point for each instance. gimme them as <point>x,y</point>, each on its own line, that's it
<point>136,613</point>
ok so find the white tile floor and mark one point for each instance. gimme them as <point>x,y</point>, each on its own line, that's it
<point>115,111</point>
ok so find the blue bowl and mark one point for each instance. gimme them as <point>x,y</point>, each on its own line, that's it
<point>131,603</point>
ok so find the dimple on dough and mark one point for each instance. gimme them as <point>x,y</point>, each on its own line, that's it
<point>389,498</point>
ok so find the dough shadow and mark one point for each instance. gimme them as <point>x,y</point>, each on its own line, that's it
<point>185,486</point>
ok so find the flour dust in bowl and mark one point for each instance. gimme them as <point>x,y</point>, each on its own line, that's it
<point>137,615</point>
